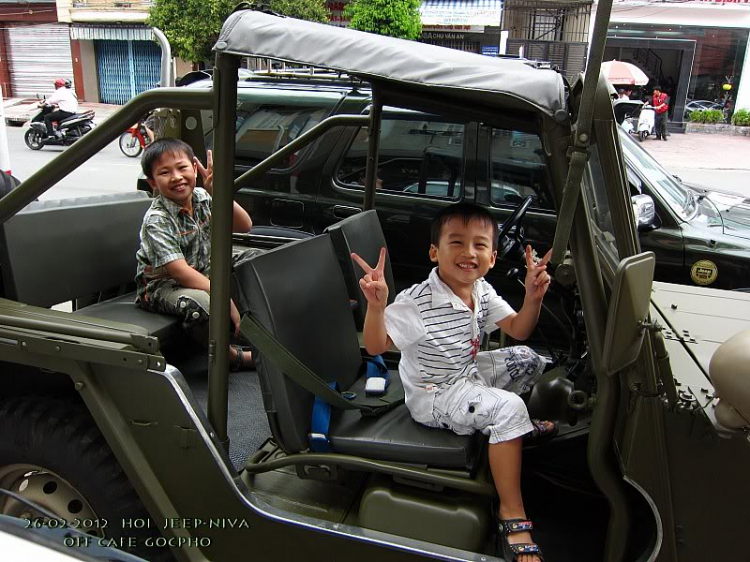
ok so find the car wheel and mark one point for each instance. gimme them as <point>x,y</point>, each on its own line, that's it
<point>130,145</point>
<point>53,455</point>
<point>33,139</point>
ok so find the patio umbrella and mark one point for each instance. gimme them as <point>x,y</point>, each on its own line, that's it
<point>618,72</point>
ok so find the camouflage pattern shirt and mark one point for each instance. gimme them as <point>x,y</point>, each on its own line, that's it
<point>170,233</point>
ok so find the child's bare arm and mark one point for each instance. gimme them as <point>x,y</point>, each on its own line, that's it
<point>186,276</point>
<point>241,221</point>
<point>521,325</point>
<point>375,289</point>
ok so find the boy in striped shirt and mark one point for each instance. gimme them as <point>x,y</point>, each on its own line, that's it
<point>448,382</point>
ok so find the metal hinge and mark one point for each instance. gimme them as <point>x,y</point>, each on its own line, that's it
<point>677,336</point>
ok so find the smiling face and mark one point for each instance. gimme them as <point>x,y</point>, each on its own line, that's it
<point>464,252</point>
<point>174,177</point>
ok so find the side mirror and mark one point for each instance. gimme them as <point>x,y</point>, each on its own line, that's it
<point>645,212</point>
<point>628,311</point>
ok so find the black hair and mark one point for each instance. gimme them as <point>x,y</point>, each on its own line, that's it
<point>657,87</point>
<point>159,148</point>
<point>466,212</point>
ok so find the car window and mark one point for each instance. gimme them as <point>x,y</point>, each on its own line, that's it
<point>518,169</point>
<point>263,128</point>
<point>420,154</point>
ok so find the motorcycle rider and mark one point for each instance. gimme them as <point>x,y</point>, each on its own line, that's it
<point>60,105</point>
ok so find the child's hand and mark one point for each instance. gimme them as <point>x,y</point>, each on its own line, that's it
<point>373,283</point>
<point>537,279</point>
<point>206,173</point>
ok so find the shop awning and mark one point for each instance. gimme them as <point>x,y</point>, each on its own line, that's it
<point>461,12</point>
<point>116,32</point>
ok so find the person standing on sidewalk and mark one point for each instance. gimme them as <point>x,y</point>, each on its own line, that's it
<point>660,101</point>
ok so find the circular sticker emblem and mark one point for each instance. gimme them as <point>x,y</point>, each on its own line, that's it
<point>704,272</point>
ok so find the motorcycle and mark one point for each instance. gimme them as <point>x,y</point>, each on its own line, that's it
<point>646,121</point>
<point>71,129</point>
<point>134,140</point>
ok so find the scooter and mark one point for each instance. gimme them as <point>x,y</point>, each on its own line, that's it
<point>646,120</point>
<point>70,129</point>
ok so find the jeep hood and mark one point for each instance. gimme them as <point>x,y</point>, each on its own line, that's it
<point>702,318</point>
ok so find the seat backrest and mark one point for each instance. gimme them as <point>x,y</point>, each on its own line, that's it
<point>58,250</point>
<point>297,293</point>
<point>363,235</point>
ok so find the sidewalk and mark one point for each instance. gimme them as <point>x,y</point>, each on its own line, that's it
<point>701,151</point>
<point>20,110</point>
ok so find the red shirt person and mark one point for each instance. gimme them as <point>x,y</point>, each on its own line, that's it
<point>660,101</point>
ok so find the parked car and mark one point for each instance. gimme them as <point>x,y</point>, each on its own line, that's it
<point>700,105</point>
<point>428,160</point>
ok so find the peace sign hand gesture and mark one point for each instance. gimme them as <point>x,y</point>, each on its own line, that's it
<point>373,283</point>
<point>207,172</point>
<point>537,279</point>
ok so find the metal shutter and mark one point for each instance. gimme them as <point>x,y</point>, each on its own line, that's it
<point>38,54</point>
<point>126,68</point>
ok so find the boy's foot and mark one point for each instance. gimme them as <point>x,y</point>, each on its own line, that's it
<point>240,360</point>
<point>543,431</point>
<point>518,546</point>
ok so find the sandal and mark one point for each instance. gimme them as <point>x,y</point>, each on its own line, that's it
<point>511,551</point>
<point>237,364</point>
<point>540,434</point>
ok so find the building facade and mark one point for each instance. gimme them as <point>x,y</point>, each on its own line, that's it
<point>34,49</point>
<point>695,50</point>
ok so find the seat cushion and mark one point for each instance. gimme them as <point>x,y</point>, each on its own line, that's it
<point>395,436</point>
<point>123,309</point>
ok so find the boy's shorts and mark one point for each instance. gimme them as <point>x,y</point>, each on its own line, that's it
<point>488,399</point>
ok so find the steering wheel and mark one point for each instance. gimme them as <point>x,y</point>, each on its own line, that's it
<point>514,220</point>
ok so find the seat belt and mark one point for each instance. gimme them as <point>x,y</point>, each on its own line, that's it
<point>293,368</point>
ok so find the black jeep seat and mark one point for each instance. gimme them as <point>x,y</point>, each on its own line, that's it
<point>123,309</point>
<point>60,250</point>
<point>297,292</point>
<point>362,234</point>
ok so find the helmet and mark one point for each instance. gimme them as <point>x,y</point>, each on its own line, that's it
<point>59,82</point>
<point>68,83</point>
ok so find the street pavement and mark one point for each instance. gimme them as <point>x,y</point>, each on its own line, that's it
<point>716,161</point>
<point>108,171</point>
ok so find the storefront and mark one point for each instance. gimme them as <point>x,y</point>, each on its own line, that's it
<point>694,50</point>
<point>465,25</point>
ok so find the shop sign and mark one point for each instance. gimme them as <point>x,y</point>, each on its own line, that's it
<point>444,36</point>
<point>448,12</point>
<point>469,28</point>
<point>491,50</point>
<point>336,13</point>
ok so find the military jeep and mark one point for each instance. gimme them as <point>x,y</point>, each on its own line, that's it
<point>116,426</point>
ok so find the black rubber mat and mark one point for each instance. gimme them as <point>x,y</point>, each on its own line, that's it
<point>247,425</point>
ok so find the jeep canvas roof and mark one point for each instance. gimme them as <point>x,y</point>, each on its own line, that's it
<point>384,60</point>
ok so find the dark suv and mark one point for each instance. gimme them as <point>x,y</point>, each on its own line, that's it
<point>430,160</point>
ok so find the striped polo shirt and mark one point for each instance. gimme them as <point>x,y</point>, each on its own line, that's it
<point>439,336</point>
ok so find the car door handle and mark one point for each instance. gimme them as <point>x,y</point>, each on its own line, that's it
<point>342,211</point>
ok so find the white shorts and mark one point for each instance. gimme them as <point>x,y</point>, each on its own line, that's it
<point>487,401</point>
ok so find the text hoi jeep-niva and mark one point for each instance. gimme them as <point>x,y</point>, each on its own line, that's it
<point>119,428</point>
